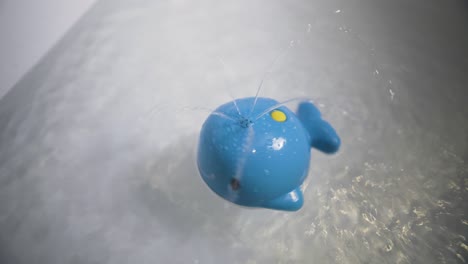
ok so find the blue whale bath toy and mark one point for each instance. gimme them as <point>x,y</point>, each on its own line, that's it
<point>255,151</point>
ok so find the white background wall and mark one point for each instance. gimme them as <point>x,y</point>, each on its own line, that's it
<point>28,29</point>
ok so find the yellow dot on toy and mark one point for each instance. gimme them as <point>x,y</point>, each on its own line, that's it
<point>278,116</point>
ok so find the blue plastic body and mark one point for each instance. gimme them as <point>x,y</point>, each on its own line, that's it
<point>252,159</point>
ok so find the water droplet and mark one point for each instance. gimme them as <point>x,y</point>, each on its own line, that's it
<point>392,94</point>
<point>389,246</point>
<point>278,143</point>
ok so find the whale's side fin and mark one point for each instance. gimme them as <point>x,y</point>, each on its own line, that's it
<point>291,201</point>
<point>322,135</point>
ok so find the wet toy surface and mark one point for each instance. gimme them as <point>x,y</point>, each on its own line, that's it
<point>256,152</point>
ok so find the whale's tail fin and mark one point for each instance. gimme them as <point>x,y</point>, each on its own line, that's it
<point>322,135</point>
<point>291,201</point>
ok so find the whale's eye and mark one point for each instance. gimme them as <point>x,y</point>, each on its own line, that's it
<point>278,115</point>
<point>235,185</point>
